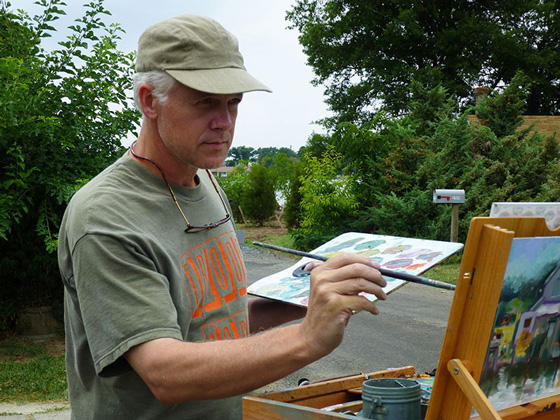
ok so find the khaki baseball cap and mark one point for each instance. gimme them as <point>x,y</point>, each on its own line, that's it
<point>197,52</point>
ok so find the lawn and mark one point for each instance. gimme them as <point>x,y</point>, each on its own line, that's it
<point>32,371</point>
<point>448,271</point>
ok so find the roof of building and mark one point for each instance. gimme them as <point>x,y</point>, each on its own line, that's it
<point>544,124</point>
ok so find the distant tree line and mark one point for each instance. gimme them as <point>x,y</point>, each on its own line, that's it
<point>265,155</point>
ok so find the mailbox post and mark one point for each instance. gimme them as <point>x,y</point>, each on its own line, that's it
<point>453,197</point>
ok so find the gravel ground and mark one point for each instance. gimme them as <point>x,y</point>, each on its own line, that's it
<point>261,262</point>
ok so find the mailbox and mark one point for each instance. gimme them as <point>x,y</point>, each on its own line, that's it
<point>449,196</point>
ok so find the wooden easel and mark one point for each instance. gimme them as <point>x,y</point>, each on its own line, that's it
<point>471,321</point>
<point>464,348</point>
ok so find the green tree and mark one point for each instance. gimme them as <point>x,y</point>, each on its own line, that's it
<point>233,185</point>
<point>266,155</point>
<point>502,113</point>
<point>328,201</point>
<point>292,208</point>
<point>281,169</point>
<point>393,166</point>
<point>316,146</point>
<point>367,52</point>
<point>64,114</point>
<point>240,153</point>
<point>258,199</point>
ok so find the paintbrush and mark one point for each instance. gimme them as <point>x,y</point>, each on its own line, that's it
<point>389,273</point>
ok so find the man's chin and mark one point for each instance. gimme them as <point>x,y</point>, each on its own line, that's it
<point>214,164</point>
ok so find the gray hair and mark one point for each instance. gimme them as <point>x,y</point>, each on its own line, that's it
<point>159,80</point>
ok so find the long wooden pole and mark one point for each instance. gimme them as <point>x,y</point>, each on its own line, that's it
<point>454,223</point>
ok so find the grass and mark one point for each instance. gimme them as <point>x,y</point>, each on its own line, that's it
<point>285,240</point>
<point>447,271</point>
<point>30,373</point>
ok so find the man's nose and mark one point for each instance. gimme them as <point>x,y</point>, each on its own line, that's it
<point>223,119</point>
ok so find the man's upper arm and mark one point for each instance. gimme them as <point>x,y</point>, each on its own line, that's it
<point>122,301</point>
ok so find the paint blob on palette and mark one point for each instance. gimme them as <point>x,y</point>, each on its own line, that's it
<point>408,255</point>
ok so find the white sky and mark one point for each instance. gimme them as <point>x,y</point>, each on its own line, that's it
<point>271,51</point>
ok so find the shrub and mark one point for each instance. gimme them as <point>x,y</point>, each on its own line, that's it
<point>64,114</point>
<point>258,199</point>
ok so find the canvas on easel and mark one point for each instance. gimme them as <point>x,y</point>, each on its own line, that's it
<point>523,358</point>
<point>472,343</point>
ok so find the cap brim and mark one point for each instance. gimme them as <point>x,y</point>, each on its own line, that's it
<point>224,81</point>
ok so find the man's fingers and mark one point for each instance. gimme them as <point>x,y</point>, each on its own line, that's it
<point>337,291</point>
<point>345,259</point>
<point>350,271</point>
<point>356,286</point>
<point>358,303</point>
<point>360,285</point>
<point>354,279</point>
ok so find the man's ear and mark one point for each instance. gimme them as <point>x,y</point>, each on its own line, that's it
<point>147,100</point>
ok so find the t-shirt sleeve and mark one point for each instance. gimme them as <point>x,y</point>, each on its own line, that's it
<point>124,300</point>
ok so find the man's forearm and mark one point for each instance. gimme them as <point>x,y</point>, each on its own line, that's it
<point>177,371</point>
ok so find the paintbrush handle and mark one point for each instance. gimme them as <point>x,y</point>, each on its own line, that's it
<point>389,273</point>
<point>291,251</point>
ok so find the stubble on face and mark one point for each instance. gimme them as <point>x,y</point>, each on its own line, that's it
<point>197,128</point>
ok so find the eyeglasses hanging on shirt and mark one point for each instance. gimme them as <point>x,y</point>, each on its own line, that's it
<point>190,228</point>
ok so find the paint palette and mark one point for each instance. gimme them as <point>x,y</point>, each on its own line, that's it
<point>409,255</point>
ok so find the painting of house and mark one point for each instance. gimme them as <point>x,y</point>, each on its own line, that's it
<point>523,358</point>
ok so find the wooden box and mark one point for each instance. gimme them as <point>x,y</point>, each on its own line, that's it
<point>323,400</point>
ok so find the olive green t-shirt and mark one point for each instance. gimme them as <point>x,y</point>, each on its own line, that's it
<point>132,274</point>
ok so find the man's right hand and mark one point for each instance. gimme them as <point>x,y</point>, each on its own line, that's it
<point>335,294</point>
